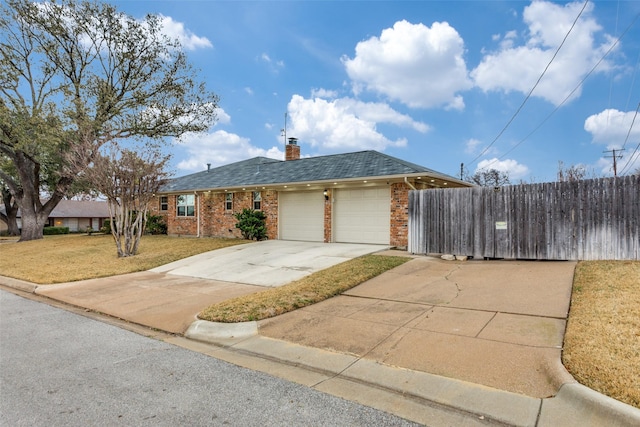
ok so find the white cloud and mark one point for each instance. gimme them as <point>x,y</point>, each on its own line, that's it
<point>472,145</point>
<point>517,68</point>
<point>222,116</point>
<point>419,66</point>
<point>345,124</point>
<point>274,66</point>
<point>248,90</point>
<point>324,93</point>
<point>220,148</point>
<point>610,127</point>
<point>187,39</point>
<point>512,167</point>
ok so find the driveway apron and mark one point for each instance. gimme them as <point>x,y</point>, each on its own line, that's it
<point>496,323</point>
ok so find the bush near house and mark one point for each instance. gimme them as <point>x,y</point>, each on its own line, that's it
<point>252,224</point>
<point>51,231</point>
<point>106,226</point>
<point>156,225</point>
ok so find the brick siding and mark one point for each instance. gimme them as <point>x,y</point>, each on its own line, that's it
<point>215,219</point>
<point>399,215</point>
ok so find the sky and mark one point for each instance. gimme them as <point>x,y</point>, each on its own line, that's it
<point>515,86</point>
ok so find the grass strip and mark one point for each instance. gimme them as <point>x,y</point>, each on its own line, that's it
<point>602,341</point>
<point>301,293</point>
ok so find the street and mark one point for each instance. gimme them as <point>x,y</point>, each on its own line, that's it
<point>61,368</point>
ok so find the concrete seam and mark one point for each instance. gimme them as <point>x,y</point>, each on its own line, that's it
<point>486,324</point>
<point>539,413</point>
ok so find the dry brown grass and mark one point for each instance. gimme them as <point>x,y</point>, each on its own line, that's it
<point>306,291</point>
<point>67,258</point>
<point>602,342</point>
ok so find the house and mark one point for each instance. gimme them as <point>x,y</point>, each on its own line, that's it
<point>359,197</point>
<point>78,215</point>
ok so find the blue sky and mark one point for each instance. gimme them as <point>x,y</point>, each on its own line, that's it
<point>431,82</point>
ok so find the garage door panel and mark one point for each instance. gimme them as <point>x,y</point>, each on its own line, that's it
<point>362,215</point>
<point>301,216</point>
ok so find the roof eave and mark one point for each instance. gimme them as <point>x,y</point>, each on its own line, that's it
<point>326,182</point>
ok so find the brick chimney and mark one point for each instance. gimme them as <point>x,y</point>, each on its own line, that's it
<point>292,150</point>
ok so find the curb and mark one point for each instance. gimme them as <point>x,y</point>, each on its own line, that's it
<point>20,285</point>
<point>575,405</point>
<point>205,331</point>
<point>578,405</point>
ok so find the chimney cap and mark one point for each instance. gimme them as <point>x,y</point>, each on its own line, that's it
<point>293,141</point>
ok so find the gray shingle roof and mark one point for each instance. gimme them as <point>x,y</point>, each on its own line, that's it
<point>264,171</point>
<point>76,209</point>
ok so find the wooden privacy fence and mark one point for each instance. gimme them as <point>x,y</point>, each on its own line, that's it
<point>586,220</point>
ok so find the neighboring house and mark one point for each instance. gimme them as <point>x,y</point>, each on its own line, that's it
<point>78,215</point>
<point>357,197</point>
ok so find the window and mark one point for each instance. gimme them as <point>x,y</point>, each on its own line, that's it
<point>257,200</point>
<point>164,203</point>
<point>228,201</point>
<point>186,204</point>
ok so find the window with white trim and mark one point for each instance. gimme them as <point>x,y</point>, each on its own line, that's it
<point>186,205</point>
<point>228,201</point>
<point>257,200</point>
<point>164,203</point>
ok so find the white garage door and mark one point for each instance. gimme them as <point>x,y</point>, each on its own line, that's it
<point>362,215</point>
<point>301,216</point>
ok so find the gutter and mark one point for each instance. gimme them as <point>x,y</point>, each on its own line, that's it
<point>197,214</point>
<point>406,181</point>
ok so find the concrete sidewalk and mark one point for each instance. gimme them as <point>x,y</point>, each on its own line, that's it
<point>437,342</point>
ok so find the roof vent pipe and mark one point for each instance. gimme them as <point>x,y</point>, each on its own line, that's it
<point>208,167</point>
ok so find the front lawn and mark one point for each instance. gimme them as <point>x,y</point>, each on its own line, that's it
<point>71,257</point>
<point>602,341</point>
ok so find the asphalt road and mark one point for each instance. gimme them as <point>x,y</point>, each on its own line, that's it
<point>59,368</point>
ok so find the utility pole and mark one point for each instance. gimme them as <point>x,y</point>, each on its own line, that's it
<point>461,171</point>
<point>615,158</point>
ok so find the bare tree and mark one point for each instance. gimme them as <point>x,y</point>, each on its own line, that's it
<point>571,173</point>
<point>129,181</point>
<point>489,178</point>
<point>75,75</point>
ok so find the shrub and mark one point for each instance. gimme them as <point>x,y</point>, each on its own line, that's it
<point>156,224</point>
<point>252,224</point>
<point>106,226</point>
<point>50,231</point>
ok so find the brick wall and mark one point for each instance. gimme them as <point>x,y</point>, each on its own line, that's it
<point>327,216</point>
<point>215,219</point>
<point>399,214</point>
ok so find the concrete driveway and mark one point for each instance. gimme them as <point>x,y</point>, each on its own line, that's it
<point>268,263</point>
<point>170,297</point>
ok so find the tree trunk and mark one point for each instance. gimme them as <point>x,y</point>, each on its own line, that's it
<point>11,217</point>
<point>35,215</point>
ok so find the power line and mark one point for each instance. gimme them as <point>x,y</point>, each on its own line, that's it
<point>534,86</point>
<point>572,92</point>
<point>627,139</point>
